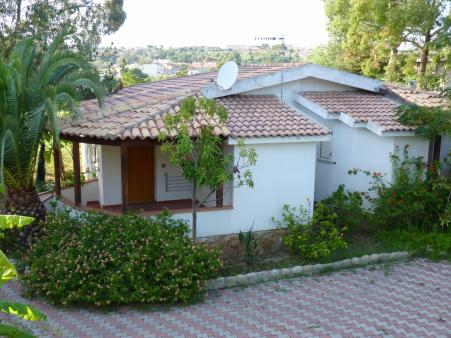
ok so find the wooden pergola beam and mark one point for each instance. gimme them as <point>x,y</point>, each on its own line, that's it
<point>77,178</point>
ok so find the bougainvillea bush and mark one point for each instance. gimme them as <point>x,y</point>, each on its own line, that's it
<point>100,259</point>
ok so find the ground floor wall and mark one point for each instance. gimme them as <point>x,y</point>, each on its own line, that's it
<point>359,148</point>
<point>110,191</point>
<point>284,174</point>
<point>89,192</point>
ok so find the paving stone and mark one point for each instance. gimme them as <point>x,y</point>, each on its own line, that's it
<point>413,300</point>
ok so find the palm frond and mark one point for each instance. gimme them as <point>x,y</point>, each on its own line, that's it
<point>34,88</point>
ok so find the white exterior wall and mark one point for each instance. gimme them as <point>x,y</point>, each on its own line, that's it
<point>89,192</point>
<point>352,148</point>
<point>284,173</point>
<point>358,148</point>
<point>110,192</point>
<point>418,146</point>
<point>89,160</point>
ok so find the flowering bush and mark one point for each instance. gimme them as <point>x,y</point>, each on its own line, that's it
<point>418,196</point>
<point>100,259</point>
<point>311,237</point>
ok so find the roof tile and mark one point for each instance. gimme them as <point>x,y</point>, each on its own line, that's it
<point>361,106</point>
<point>138,111</point>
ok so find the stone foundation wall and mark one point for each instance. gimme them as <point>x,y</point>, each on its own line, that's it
<point>232,250</point>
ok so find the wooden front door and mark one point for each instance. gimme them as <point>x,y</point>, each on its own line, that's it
<point>141,175</point>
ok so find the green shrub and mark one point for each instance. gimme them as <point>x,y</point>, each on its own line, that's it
<point>429,244</point>
<point>418,196</point>
<point>100,259</point>
<point>348,207</point>
<point>311,237</point>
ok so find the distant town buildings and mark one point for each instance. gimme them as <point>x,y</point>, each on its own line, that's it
<point>160,67</point>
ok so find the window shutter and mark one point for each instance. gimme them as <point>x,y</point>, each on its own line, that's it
<point>325,151</point>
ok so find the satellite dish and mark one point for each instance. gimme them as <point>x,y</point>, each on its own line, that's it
<point>227,75</point>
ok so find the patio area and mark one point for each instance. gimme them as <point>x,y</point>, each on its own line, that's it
<point>410,299</point>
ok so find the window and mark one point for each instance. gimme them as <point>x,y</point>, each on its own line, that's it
<point>325,151</point>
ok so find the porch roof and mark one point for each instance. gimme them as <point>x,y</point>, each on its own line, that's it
<point>138,112</point>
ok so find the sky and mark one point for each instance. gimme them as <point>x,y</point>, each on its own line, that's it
<point>175,23</point>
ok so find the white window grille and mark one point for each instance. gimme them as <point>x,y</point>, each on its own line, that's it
<point>325,151</point>
<point>177,183</point>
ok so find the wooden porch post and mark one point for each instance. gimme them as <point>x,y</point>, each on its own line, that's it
<point>124,176</point>
<point>77,179</point>
<point>57,166</point>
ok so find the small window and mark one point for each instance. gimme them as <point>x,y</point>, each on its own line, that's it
<point>324,150</point>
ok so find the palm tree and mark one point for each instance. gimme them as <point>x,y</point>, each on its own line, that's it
<point>34,89</point>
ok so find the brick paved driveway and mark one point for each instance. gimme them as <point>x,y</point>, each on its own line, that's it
<point>410,299</point>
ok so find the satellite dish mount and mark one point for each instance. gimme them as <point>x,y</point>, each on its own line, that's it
<point>227,75</point>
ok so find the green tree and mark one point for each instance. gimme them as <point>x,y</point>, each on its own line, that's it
<point>192,142</point>
<point>367,35</point>
<point>34,88</point>
<point>89,20</point>
<point>7,273</point>
<point>132,76</point>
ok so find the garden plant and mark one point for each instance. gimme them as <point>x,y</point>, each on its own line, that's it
<point>314,236</point>
<point>99,259</point>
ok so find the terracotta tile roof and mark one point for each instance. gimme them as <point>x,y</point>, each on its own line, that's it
<point>361,106</point>
<point>249,116</point>
<point>140,95</point>
<point>409,95</point>
<point>141,123</point>
<point>266,116</point>
<point>137,112</point>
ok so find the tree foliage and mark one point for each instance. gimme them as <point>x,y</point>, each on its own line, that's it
<point>35,88</point>
<point>376,38</point>
<point>193,143</point>
<point>89,20</point>
<point>132,76</point>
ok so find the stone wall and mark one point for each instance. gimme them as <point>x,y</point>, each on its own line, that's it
<point>232,250</point>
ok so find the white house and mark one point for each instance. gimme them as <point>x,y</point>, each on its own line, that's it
<point>308,124</point>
